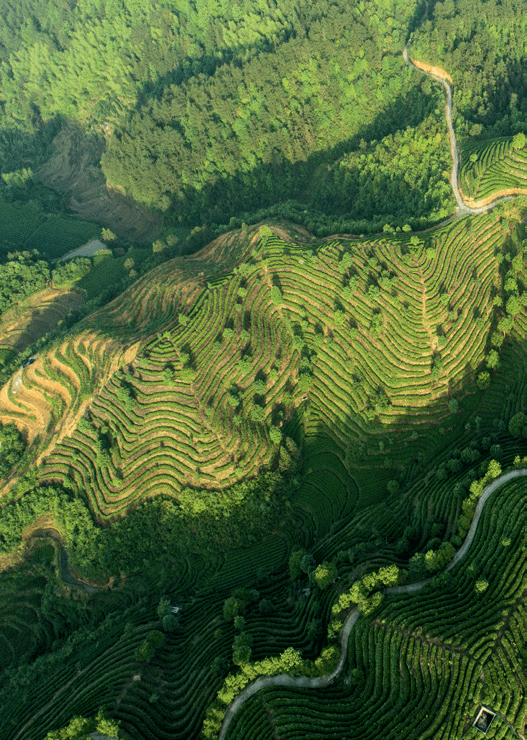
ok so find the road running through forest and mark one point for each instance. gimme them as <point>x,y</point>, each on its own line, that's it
<point>319,682</point>
<point>454,177</point>
<point>63,565</point>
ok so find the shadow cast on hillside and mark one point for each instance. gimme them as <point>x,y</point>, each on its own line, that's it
<point>248,192</point>
<point>68,179</point>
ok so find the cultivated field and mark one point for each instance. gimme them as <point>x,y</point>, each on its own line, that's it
<point>425,663</point>
<point>492,167</point>
<point>353,348</point>
<point>25,227</point>
<point>333,344</point>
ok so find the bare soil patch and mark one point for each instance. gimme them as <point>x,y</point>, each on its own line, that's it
<point>35,317</point>
<point>74,167</point>
<point>429,69</point>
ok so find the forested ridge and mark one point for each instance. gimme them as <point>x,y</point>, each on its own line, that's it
<point>218,110</point>
<point>243,137</point>
<point>482,45</point>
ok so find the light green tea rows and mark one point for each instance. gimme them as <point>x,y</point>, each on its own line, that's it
<point>493,166</point>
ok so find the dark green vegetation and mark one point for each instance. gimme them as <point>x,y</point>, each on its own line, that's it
<point>26,227</point>
<point>11,448</point>
<point>423,664</point>
<point>21,276</point>
<point>202,461</point>
<point>482,46</point>
<point>209,113</point>
<point>372,485</point>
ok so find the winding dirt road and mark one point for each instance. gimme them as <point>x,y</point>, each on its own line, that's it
<point>65,572</point>
<point>438,74</point>
<point>321,681</point>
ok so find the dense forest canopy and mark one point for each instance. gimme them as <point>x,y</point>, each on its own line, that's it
<point>243,136</point>
<point>482,44</point>
<point>22,275</point>
<point>215,110</point>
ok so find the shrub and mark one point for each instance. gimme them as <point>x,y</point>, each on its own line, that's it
<point>324,574</point>
<point>257,413</point>
<point>453,405</point>
<point>393,486</point>
<point>275,435</point>
<point>170,622</point>
<point>346,262</point>
<point>517,425</point>
<point>68,272</point>
<point>147,649</point>
<point>259,387</point>
<point>295,563</point>
<point>276,295</point>
<point>231,606</point>
<point>519,141</point>
<point>483,380</point>
<point>159,246</point>
<point>493,470</point>
<point>12,447</point>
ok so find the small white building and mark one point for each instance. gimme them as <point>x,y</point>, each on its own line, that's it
<point>484,719</point>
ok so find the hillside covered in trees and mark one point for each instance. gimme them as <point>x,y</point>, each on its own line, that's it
<point>207,113</point>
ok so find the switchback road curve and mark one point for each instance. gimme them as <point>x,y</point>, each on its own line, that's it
<point>321,681</point>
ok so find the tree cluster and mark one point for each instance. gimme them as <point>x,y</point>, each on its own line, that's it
<point>12,446</point>
<point>21,276</point>
<point>482,47</point>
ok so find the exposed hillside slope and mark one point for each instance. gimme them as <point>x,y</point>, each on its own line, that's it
<point>74,168</point>
<point>343,341</point>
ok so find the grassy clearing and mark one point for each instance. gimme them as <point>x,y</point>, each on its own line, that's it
<point>107,271</point>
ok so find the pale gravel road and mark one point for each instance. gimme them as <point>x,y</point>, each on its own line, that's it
<point>321,681</point>
<point>454,178</point>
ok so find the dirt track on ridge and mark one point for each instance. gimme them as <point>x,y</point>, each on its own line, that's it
<point>464,206</point>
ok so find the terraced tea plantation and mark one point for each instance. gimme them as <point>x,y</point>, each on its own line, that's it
<point>341,342</point>
<point>494,166</point>
<point>25,227</point>
<point>192,384</point>
<point>426,662</point>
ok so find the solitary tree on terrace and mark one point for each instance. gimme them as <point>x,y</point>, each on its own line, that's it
<point>325,573</point>
<point>519,141</point>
